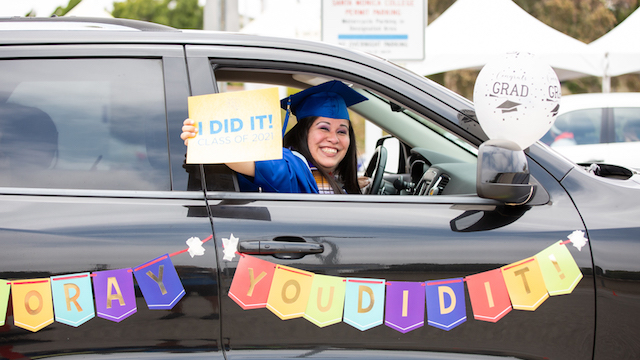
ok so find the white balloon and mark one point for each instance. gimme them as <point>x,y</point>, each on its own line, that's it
<point>517,98</point>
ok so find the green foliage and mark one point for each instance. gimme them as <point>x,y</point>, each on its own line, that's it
<point>60,11</point>
<point>182,14</point>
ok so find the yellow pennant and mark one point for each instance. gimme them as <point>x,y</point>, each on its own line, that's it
<point>289,293</point>
<point>525,284</point>
<point>32,303</point>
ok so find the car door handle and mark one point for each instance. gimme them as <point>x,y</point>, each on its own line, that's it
<point>260,247</point>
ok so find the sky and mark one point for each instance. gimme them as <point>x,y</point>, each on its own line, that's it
<point>41,7</point>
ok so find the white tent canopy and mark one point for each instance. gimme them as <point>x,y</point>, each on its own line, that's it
<point>290,19</point>
<point>470,33</point>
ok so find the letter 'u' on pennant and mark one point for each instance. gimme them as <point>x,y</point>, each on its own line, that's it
<point>525,284</point>
<point>404,305</point>
<point>32,303</point>
<point>488,295</point>
<point>560,272</point>
<point>159,283</point>
<point>326,300</point>
<point>114,294</point>
<point>5,289</point>
<point>251,282</point>
<point>289,293</point>
<point>446,307</point>
<point>364,303</point>
<point>73,298</point>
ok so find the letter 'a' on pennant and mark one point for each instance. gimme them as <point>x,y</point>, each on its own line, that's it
<point>251,282</point>
<point>488,295</point>
<point>32,303</point>
<point>364,303</point>
<point>326,300</point>
<point>560,272</point>
<point>404,306</point>
<point>5,289</point>
<point>159,283</point>
<point>289,293</point>
<point>73,298</point>
<point>446,307</point>
<point>114,294</point>
<point>525,284</point>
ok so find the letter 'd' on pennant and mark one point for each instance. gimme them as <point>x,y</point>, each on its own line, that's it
<point>488,295</point>
<point>251,282</point>
<point>560,272</point>
<point>525,284</point>
<point>404,308</point>
<point>32,303</point>
<point>364,303</point>
<point>73,298</point>
<point>159,283</point>
<point>289,293</point>
<point>326,300</point>
<point>114,293</point>
<point>446,307</point>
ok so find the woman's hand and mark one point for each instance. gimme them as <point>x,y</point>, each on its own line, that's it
<point>363,181</point>
<point>188,130</point>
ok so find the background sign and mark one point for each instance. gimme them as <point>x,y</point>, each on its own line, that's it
<point>392,29</point>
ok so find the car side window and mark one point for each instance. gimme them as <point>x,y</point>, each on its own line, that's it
<point>83,124</point>
<point>578,127</point>
<point>627,124</point>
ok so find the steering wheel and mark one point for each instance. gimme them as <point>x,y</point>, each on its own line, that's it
<point>375,169</point>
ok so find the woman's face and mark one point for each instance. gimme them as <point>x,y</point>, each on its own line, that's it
<point>328,141</point>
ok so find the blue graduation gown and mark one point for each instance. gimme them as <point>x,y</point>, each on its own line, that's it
<point>291,174</point>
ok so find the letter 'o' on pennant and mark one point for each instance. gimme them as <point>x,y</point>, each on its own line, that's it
<point>326,300</point>
<point>525,284</point>
<point>114,294</point>
<point>289,293</point>
<point>364,303</point>
<point>488,295</point>
<point>159,283</point>
<point>73,298</point>
<point>446,307</point>
<point>251,282</point>
<point>404,306</point>
<point>560,272</point>
<point>5,289</point>
<point>32,303</point>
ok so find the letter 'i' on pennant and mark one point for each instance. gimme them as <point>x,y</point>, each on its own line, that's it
<point>446,307</point>
<point>114,294</point>
<point>32,303</point>
<point>560,272</point>
<point>251,282</point>
<point>364,303</point>
<point>73,298</point>
<point>289,293</point>
<point>159,283</point>
<point>488,295</point>
<point>525,284</point>
<point>5,289</point>
<point>326,300</point>
<point>404,305</point>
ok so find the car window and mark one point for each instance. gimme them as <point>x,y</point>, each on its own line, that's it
<point>627,124</point>
<point>83,124</point>
<point>578,127</point>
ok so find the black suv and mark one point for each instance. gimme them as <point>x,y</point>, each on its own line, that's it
<point>96,204</point>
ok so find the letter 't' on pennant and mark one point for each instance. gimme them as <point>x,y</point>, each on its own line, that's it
<point>114,294</point>
<point>560,272</point>
<point>364,303</point>
<point>446,307</point>
<point>251,282</point>
<point>525,284</point>
<point>326,300</point>
<point>159,283</point>
<point>73,298</point>
<point>289,293</point>
<point>488,295</point>
<point>32,303</point>
<point>404,306</point>
<point>5,289</point>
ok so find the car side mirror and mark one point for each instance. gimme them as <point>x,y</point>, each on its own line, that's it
<point>503,173</point>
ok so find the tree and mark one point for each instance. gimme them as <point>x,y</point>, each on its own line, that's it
<point>181,14</point>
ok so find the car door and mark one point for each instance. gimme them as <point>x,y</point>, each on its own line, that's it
<point>93,194</point>
<point>273,247</point>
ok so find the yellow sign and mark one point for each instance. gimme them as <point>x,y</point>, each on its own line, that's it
<point>235,127</point>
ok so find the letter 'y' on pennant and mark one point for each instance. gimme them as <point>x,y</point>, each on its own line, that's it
<point>73,298</point>
<point>32,303</point>
<point>404,306</point>
<point>251,282</point>
<point>488,295</point>
<point>114,294</point>
<point>445,303</point>
<point>559,270</point>
<point>326,300</point>
<point>525,284</point>
<point>159,283</point>
<point>5,289</point>
<point>289,293</point>
<point>364,303</point>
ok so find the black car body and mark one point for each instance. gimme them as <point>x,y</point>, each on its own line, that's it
<point>108,189</point>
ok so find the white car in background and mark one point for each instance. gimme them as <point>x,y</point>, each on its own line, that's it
<point>598,128</point>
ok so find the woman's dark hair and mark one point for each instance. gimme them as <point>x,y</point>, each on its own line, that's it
<point>347,170</point>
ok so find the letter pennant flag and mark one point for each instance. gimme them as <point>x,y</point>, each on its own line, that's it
<point>445,303</point>
<point>488,295</point>
<point>251,282</point>
<point>5,289</point>
<point>525,284</point>
<point>114,294</point>
<point>326,301</point>
<point>73,298</point>
<point>159,283</point>
<point>559,270</point>
<point>289,293</point>
<point>32,303</point>
<point>404,308</point>
<point>364,303</point>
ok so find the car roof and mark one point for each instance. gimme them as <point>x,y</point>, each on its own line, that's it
<point>598,100</point>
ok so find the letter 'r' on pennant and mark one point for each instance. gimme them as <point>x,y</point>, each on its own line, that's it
<point>5,289</point>
<point>289,293</point>
<point>525,284</point>
<point>159,283</point>
<point>404,306</point>
<point>364,303</point>
<point>114,294</point>
<point>326,300</point>
<point>446,307</point>
<point>73,298</point>
<point>251,282</point>
<point>32,303</point>
<point>488,295</point>
<point>560,272</point>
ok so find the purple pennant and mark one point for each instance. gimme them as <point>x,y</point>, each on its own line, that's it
<point>159,283</point>
<point>404,308</point>
<point>114,293</point>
